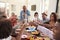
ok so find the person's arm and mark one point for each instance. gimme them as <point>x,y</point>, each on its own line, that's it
<point>21,32</point>
<point>39,23</point>
<point>21,15</point>
<point>45,25</point>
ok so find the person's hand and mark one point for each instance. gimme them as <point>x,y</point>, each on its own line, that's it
<point>18,31</point>
<point>32,24</point>
<point>38,22</point>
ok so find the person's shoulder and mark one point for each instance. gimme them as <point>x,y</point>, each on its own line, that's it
<point>28,11</point>
<point>21,11</point>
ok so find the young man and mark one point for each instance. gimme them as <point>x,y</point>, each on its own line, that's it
<point>44,17</point>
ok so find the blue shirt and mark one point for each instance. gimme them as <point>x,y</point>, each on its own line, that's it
<point>22,12</point>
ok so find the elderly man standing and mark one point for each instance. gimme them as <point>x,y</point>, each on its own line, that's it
<point>24,14</point>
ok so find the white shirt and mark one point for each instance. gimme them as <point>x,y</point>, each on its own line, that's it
<point>45,31</point>
<point>36,19</point>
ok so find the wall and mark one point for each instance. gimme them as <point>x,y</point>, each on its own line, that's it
<point>52,6</point>
<point>17,4</point>
<point>58,10</point>
<point>39,6</point>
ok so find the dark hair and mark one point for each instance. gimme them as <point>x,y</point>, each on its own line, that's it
<point>35,13</point>
<point>5,28</point>
<point>55,17</point>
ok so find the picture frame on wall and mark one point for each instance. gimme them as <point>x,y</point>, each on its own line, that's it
<point>33,7</point>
